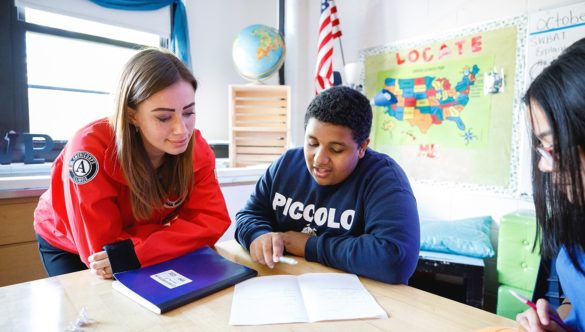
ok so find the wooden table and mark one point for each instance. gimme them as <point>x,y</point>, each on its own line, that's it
<point>52,304</point>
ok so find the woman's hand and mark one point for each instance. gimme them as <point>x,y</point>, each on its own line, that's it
<point>99,264</point>
<point>539,320</point>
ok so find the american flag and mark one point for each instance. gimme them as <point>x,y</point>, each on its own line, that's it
<point>328,31</point>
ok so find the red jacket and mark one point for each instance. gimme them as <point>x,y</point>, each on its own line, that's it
<point>88,203</point>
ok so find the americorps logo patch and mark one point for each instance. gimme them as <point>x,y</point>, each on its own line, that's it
<point>83,167</point>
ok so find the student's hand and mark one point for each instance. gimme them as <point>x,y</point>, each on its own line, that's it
<point>294,242</point>
<point>267,248</point>
<point>99,264</point>
<point>539,320</point>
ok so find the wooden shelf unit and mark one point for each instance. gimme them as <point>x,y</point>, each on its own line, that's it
<point>259,123</point>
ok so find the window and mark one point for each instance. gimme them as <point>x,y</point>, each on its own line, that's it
<point>72,68</point>
<point>59,73</point>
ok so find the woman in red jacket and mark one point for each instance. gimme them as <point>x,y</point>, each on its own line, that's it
<point>136,189</point>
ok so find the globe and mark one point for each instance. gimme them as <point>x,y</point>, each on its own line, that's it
<point>258,52</point>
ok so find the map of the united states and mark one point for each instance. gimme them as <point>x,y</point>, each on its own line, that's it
<point>427,100</point>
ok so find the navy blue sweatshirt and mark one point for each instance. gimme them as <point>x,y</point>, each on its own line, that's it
<point>368,224</point>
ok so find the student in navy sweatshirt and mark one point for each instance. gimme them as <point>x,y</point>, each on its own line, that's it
<point>335,201</point>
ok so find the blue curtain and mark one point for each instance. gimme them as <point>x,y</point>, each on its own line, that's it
<point>179,32</point>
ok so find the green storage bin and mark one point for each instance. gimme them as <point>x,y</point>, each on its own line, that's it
<point>517,264</point>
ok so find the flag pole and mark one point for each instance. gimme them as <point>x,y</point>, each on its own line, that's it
<point>341,49</point>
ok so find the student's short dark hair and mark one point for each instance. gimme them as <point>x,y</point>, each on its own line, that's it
<point>343,106</point>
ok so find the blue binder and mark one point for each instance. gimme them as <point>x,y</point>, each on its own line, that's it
<point>176,282</point>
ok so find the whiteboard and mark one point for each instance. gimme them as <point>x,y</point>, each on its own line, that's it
<point>550,31</point>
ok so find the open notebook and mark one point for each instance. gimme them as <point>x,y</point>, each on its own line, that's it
<point>307,297</point>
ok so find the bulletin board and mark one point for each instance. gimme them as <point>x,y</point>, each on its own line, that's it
<point>446,108</point>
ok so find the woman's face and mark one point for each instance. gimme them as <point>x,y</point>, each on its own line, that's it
<point>166,121</point>
<point>542,131</point>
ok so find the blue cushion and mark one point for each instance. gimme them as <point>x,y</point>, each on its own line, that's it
<point>468,237</point>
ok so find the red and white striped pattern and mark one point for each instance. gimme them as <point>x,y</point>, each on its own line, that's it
<point>328,31</point>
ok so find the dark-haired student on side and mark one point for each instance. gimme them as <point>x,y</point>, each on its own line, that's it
<point>556,103</point>
<point>335,201</point>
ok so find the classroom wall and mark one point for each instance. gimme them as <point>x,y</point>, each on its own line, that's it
<point>213,26</point>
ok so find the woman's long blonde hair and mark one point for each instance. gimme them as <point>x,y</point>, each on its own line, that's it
<point>146,73</point>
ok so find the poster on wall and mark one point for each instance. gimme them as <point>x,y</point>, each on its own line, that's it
<point>445,108</point>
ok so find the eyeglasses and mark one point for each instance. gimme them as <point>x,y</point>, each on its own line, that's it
<point>546,152</point>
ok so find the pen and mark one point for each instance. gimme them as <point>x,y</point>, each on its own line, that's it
<point>531,304</point>
<point>287,260</point>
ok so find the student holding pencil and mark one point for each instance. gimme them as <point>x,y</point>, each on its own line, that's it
<point>335,201</point>
<point>138,188</point>
<point>556,104</point>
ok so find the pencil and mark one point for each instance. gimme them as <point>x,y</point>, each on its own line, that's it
<point>531,304</point>
<point>287,260</point>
